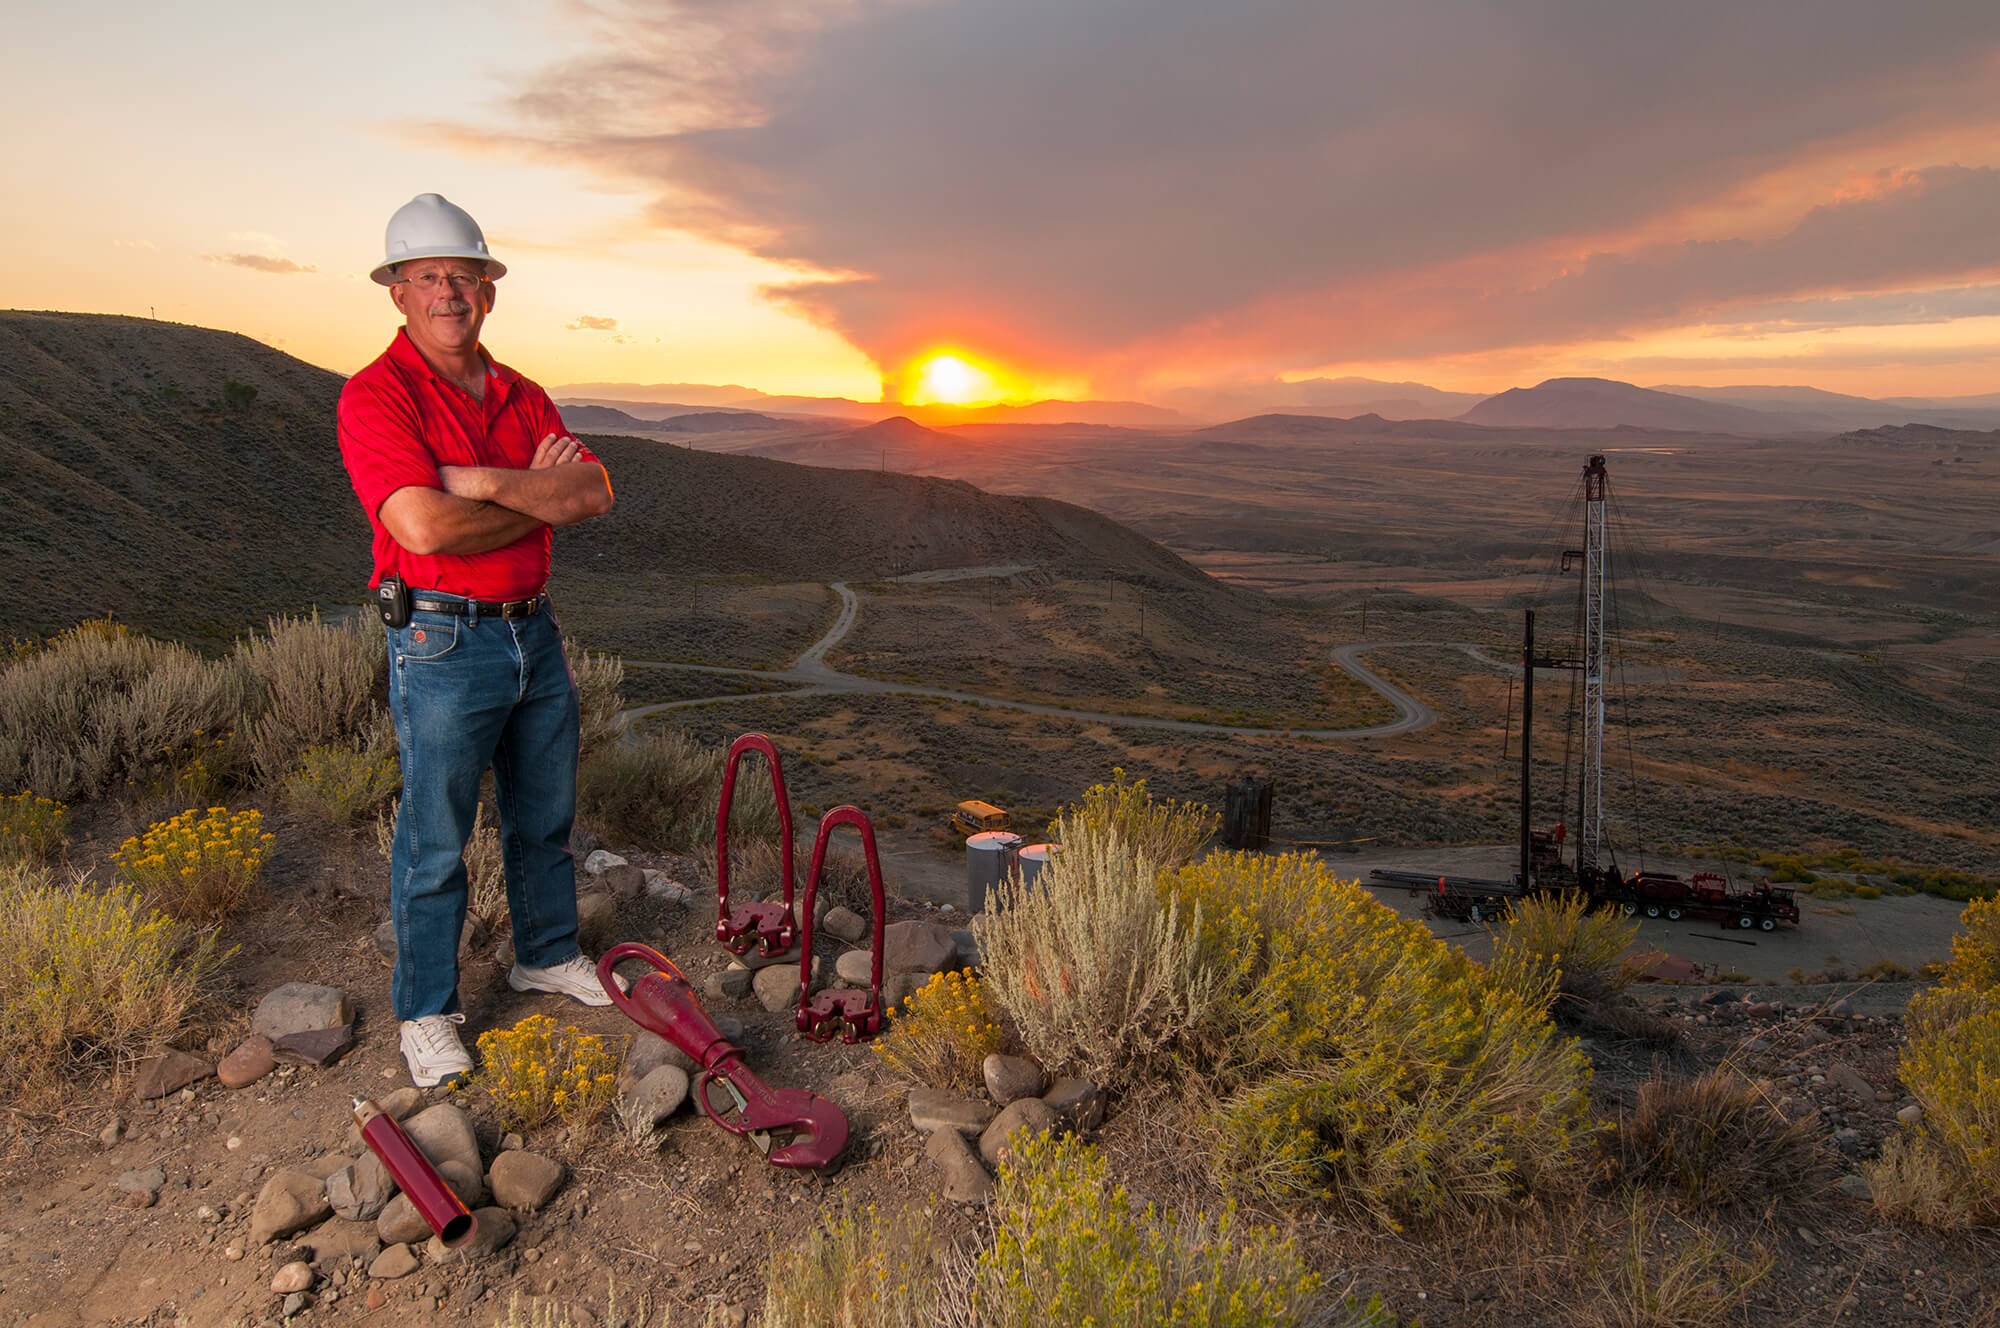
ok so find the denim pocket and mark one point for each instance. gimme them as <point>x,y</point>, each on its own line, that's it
<point>429,636</point>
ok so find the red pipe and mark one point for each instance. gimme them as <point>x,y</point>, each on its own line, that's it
<point>414,1174</point>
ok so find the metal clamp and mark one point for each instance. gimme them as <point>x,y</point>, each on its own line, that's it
<point>769,927</point>
<point>855,1015</point>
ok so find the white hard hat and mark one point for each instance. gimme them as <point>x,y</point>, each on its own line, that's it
<point>432,226</point>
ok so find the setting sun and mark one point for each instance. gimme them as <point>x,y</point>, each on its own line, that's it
<point>953,378</point>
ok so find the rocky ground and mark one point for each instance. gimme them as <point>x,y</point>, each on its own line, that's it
<point>227,1185</point>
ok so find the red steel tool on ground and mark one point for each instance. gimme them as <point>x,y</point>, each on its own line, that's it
<point>413,1173</point>
<point>663,1002</point>
<point>855,1015</point>
<point>769,927</point>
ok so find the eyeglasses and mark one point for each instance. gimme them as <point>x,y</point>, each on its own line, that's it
<point>431,282</point>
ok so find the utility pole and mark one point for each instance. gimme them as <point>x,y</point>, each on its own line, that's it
<point>1591,837</point>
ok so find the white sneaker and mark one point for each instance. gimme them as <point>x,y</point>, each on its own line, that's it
<point>432,1050</point>
<point>575,977</point>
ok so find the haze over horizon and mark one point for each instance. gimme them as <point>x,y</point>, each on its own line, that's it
<point>1119,200</point>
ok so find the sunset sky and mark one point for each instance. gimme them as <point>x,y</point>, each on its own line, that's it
<point>1115,198</point>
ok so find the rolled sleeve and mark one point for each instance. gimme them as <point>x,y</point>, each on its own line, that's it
<point>382,444</point>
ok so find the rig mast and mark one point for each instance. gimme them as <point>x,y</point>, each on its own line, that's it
<point>1591,838</point>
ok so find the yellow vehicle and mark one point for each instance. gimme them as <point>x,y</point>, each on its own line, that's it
<point>974,817</point>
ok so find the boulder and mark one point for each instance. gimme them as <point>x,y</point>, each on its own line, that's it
<point>394,1261</point>
<point>934,1109</point>
<point>1028,1117</point>
<point>1078,1101</point>
<point>444,1133</point>
<point>855,967</point>
<point>622,882</point>
<point>898,988</point>
<point>661,886</point>
<point>300,1007</point>
<point>466,1181</point>
<point>318,1046</point>
<point>732,983</point>
<point>294,1276</point>
<point>648,1052</point>
<point>492,1229</point>
<point>843,923</point>
<point>290,1201</point>
<point>601,861</point>
<point>361,1190</point>
<point>965,1181</point>
<point>1010,1078</point>
<point>251,1061</point>
<point>596,920</point>
<point>525,1181</point>
<point>168,1070</point>
<point>777,988</point>
<point>917,947</point>
<point>401,1224</point>
<point>335,1242</point>
<point>657,1096</point>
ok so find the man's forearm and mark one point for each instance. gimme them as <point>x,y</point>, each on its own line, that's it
<point>554,495</point>
<point>430,521</point>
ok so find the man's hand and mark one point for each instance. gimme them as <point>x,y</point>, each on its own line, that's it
<point>553,451</point>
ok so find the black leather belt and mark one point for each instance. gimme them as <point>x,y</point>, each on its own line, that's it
<point>509,609</point>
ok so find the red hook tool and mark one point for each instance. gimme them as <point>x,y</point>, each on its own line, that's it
<point>770,927</point>
<point>663,1002</point>
<point>855,1015</point>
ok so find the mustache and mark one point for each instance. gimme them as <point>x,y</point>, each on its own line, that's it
<point>453,307</point>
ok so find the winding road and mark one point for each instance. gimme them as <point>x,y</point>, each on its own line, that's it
<point>815,677</point>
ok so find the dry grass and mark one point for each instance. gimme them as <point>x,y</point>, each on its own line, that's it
<point>1662,1273</point>
<point>316,685</point>
<point>340,783</point>
<point>93,978</point>
<point>485,872</point>
<point>99,708</point>
<point>598,679</point>
<point>862,1268</point>
<point>1714,1140</point>
<point>1111,984</point>
<point>661,792</point>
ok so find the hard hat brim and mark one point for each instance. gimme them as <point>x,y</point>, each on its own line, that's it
<point>383,273</point>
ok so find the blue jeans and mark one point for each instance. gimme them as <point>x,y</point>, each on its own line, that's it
<point>469,693</point>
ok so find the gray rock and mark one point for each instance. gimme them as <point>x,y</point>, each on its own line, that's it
<point>967,945</point>
<point>525,1181</point>
<point>492,1229</point>
<point>297,1303</point>
<point>385,940</point>
<point>394,1261</point>
<point>731,983</point>
<point>404,1103</point>
<point>1011,1078</point>
<point>1846,1077</point>
<point>300,1007</point>
<point>622,882</point>
<point>897,989</point>
<point>1026,1118</point>
<point>168,1070</point>
<point>601,861</point>
<point>596,920</point>
<point>648,1052</point>
<point>855,967</point>
<point>934,1109</point>
<point>325,1165</point>
<point>917,947</point>
<point>466,1181</point>
<point>1078,1101</point>
<point>112,1133</point>
<point>659,885</point>
<point>1857,1187</point>
<point>658,1096</point>
<point>293,1277</point>
<point>965,1181</point>
<point>844,924</point>
<point>1911,1115</point>
<point>401,1224</point>
<point>729,1026</point>
<point>445,1133</point>
<point>290,1201</point>
<point>777,988</point>
<point>755,961</point>
<point>1840,1009</point>
<point>146,1180</point>
<point>360,1191</point>
<point>251,1061</point>
<point>334,1242</point>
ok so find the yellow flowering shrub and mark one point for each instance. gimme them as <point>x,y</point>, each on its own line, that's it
<point>31,828</point>
<point>199,769</point>
<point>539,1070</point>
<point>91,979</point>
<point>1975,955</point>
<point>342,782</point>
<point>1364,1062</point>
<point>943,1034</point>
<point>197,866</point>
<point>862,1269</point>
<point>1167,833</point>
<point>1069,1247</point>
<point>1583,950</point>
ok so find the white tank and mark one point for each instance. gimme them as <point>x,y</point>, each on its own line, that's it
<point>989,855</point>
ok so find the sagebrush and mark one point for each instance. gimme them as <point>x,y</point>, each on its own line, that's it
<point>661,792</point>
<point>1715,1140</point>
<point>315,685</point>
<point>1166,834</point>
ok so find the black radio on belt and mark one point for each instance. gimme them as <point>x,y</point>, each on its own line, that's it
<point>392,601</point>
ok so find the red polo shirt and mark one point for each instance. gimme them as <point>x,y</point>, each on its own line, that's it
<point>400,420</point>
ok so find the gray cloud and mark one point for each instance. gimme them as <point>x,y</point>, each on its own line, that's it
<point>1126,181</point>
<point>282,267</point>
<point>592,323</point>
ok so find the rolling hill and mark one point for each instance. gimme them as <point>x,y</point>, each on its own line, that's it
<point>188,481</point>
<point>1600,403</point>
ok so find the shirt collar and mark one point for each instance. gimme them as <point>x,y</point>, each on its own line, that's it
<point>404,351</point>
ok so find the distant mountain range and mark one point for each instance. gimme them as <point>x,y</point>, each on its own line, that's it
<point>1557,403</point>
